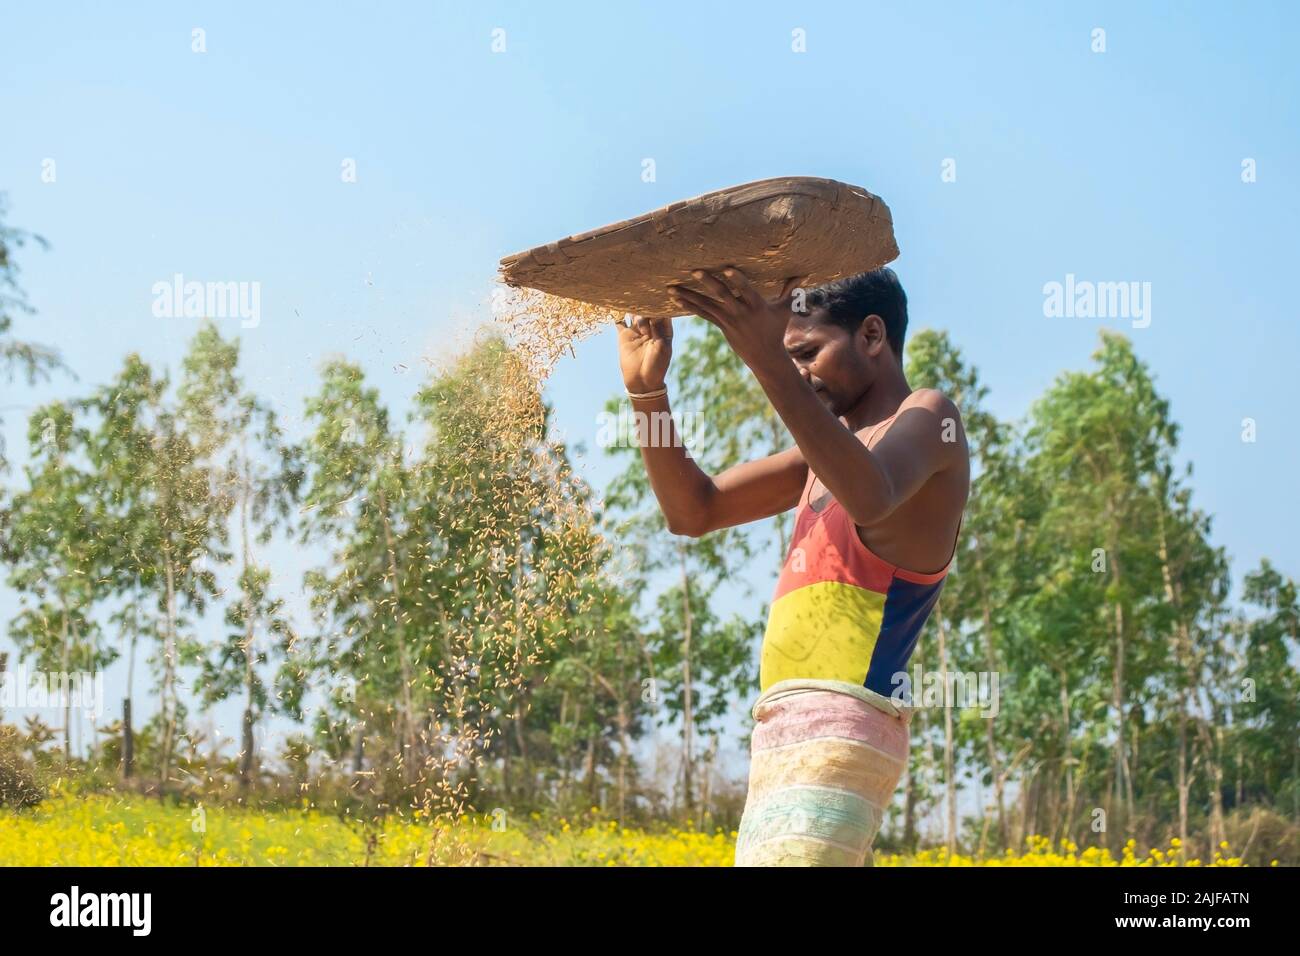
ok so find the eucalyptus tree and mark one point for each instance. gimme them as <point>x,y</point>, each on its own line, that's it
<point>1270,683</point>
<point>354,501</point>
<point>51,548</point>
<point>1097,442</point>
<point>253,468</point>
<point>1195,583</point>
<point>167,528</point>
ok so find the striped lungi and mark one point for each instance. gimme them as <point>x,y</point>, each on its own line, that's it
<point>826,757</point>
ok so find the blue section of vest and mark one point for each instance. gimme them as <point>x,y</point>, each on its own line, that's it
<point>907,607</point>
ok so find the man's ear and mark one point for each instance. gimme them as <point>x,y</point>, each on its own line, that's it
<point>873,334</point>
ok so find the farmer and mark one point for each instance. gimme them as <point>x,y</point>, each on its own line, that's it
<point>879,474</point>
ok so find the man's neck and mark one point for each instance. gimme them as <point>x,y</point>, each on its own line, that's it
<point>879,402</point>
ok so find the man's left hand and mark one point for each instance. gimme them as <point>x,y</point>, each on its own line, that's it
<point>753,326</point>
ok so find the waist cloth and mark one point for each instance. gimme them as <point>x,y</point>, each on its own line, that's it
<point>825,759</point>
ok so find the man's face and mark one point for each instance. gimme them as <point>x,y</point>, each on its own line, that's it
<point>837,363</point>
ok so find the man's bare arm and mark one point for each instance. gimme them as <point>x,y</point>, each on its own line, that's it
<point>694,503</point>
<point>868,483</point>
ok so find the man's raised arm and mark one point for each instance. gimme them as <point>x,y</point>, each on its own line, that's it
<point>868,483</point>
<point>692,502</point>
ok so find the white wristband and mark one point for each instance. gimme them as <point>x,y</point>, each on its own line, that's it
<point>655,394</point>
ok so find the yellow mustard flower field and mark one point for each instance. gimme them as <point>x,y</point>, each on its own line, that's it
<point>103,830</point>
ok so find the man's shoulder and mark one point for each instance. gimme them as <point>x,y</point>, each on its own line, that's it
<point>932,400</point>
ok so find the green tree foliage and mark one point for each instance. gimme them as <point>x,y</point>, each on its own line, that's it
<point>163,512</point>
<point>19,360</point>
<point>456,568</point>
<point>52,548</point>
<point>239,441</point>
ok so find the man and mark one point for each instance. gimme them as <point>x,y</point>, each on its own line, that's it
<point>880,475</point>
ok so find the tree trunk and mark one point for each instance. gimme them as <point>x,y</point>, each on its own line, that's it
<point>706,788</point>
<point>990,740</point>
<point>1182,651</point>
<point>1023,822</point>
<point>1117,701</point>
<point>64,689</point>
<point>521,739</point>
<point>128,740</point>
<point>909,809</point>
<point>359,750</point>
<point>1067,826</point>
<point>624,746</point>
<point>1184,782</point>
<point>169,679</point>
<point>687,715</point>
<point>407,744</point>
<point>1216,786</point>
<point>246,757</point>
<point>506,783</point>
<point>1185,656</point>
<point>949,775</point>
<point>94,666</point>
<point>590,768</point>
<point>128,735</point>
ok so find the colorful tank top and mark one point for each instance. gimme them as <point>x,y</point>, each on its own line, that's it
<point>840,612</point>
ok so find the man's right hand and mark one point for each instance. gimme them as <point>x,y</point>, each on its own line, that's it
<point>645,347</point>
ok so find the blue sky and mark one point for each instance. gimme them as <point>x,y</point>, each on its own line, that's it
<point>1124,165</point>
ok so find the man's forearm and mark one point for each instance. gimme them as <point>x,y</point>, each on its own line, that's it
<point>680,485</point>
<point>837,457</point>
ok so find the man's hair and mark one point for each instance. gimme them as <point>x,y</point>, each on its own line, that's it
<point>849,300</point>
